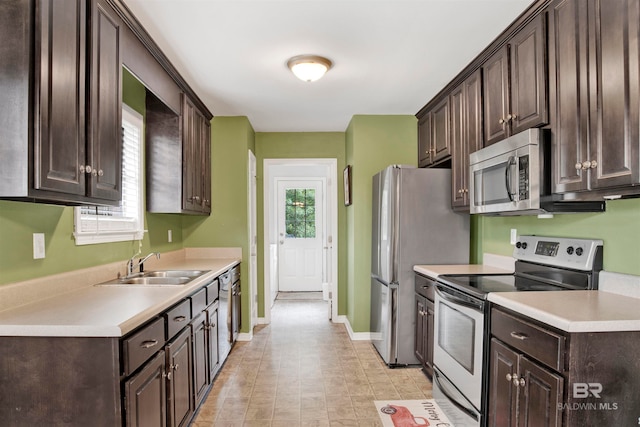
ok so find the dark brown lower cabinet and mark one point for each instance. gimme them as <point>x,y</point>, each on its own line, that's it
<point>522,392</point>
<point>179,385</point>
<point>212,340</point>
<point>423,347</point>
<point>200,353</point>
<point>145,395</point>
<point>542,376</point>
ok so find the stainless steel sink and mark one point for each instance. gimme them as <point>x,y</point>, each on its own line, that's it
<point>175,273</point>
<point>157,278</point>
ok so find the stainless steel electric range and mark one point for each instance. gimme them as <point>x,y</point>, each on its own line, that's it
<point>461,336</point>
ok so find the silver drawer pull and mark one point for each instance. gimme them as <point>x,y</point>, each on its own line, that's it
<point>519,336</point>
<point>509,377</point>
<point>149,343</point>
<point>180,318</point>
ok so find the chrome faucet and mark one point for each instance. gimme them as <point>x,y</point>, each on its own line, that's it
<point>131,267</point>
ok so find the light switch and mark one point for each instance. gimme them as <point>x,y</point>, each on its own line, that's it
<point>38,245</point>
<point>169,236</point>
<point>514,236</point>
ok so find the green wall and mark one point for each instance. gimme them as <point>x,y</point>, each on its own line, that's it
<point>301,145</point>
<point>227,226</point>
<point>19,220</point>
<point>618,227</point>
<point>373,143</point>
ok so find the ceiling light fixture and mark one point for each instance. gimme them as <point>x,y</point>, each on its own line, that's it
<point>309,68</point>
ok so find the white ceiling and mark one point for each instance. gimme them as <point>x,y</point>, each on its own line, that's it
<point>390,56</point>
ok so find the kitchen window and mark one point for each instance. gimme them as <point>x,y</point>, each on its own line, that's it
<point>103,224</point>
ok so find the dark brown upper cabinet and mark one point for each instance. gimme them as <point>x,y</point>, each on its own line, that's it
<point>434,134</point>
<point>466,135</point>
<point>515,84</point>
<point>178,158</point>
<point>595,87</point>
<point>62,77</point>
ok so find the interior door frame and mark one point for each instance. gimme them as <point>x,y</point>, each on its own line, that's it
<point>253,237</point>
<point>270,215</point>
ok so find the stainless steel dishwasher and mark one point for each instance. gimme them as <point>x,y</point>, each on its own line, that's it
<point>224,316</point>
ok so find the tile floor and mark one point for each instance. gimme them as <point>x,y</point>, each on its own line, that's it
<point>302,370</point>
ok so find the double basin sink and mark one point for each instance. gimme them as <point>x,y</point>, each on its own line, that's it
<point>158,278</point>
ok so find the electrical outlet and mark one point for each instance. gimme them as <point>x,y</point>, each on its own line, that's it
<point>169,236</point>
<point>38,245</point>
<point>514,236</point>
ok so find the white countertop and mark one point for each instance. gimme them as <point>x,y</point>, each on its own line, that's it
<point>106,311</point>
<point>575,311</point>
<point>434,271</point>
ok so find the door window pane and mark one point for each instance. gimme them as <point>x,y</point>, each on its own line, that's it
<point>300,213</point>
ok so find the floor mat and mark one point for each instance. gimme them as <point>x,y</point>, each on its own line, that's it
<point>396,413</point>
<point>300,295</point>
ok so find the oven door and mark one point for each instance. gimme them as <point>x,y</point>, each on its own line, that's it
<point>459,340</point>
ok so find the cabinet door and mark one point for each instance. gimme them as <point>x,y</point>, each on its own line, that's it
<point>458,147</point>
<point>212,341</point>
<point>495,83</point>
<point>539,396</point>
<point>428,339</point>
<point>568,86</point>
<point>614,67</point>
<point>441,131</point>
<point>59,135</point>
<point>424,140</point>
<point>502,393</point>
<point>528,77</point>
<point>206,164</point>
<point>105,134</point>
<point>200,356</point>
<point>180,394</point>
<point>145,396</point>
<point>190,157</point>
<point>419,341</point>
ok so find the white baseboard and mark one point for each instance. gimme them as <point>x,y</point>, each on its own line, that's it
<point>245,336</point>
<point>261,321</point>
<point>355,336</point>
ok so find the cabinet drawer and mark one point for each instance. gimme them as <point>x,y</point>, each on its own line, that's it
<point>212,291</point>
<point>198,301</point>
<point>178,317</point>
<point>424,287</point>
<point>235,274</point>
<point>542,344</point>
<point>143,344</point>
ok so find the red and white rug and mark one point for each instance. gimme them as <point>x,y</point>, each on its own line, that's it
<point>411,413</point>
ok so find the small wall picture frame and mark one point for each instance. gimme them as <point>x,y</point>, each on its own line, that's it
<point>346,174</point>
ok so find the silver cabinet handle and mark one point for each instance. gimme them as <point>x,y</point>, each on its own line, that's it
<point>94,172</point>
<point>594,164</point>
<point>578,166</point>
<point>100,172</point>
<point>522,382</point>
<point>519,336</point>
<point>149,343</point>
<point>179,318</point>
<point>509,377</point>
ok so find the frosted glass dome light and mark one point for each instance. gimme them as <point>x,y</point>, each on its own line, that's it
<point>309,68</point>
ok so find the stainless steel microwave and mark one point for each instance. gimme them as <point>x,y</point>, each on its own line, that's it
<point>513,177</point>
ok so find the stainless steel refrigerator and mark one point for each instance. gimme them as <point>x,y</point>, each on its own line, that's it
<point>412,223</point>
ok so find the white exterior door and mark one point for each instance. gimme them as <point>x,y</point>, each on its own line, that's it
<point>300,235</point>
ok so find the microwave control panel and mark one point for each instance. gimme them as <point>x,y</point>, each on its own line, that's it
<point>523,178</point>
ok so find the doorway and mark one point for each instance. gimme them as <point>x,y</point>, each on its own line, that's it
<point>294,259</point>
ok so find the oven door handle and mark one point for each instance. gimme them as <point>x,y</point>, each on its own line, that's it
<point>448,296</point>
<point>443,389</point>
<point>507,176</point>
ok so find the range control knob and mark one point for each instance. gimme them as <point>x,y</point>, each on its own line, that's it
<point>524,245</point>
<point>518,245</point>
<point>579,251</point>
<point>570,250</point>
